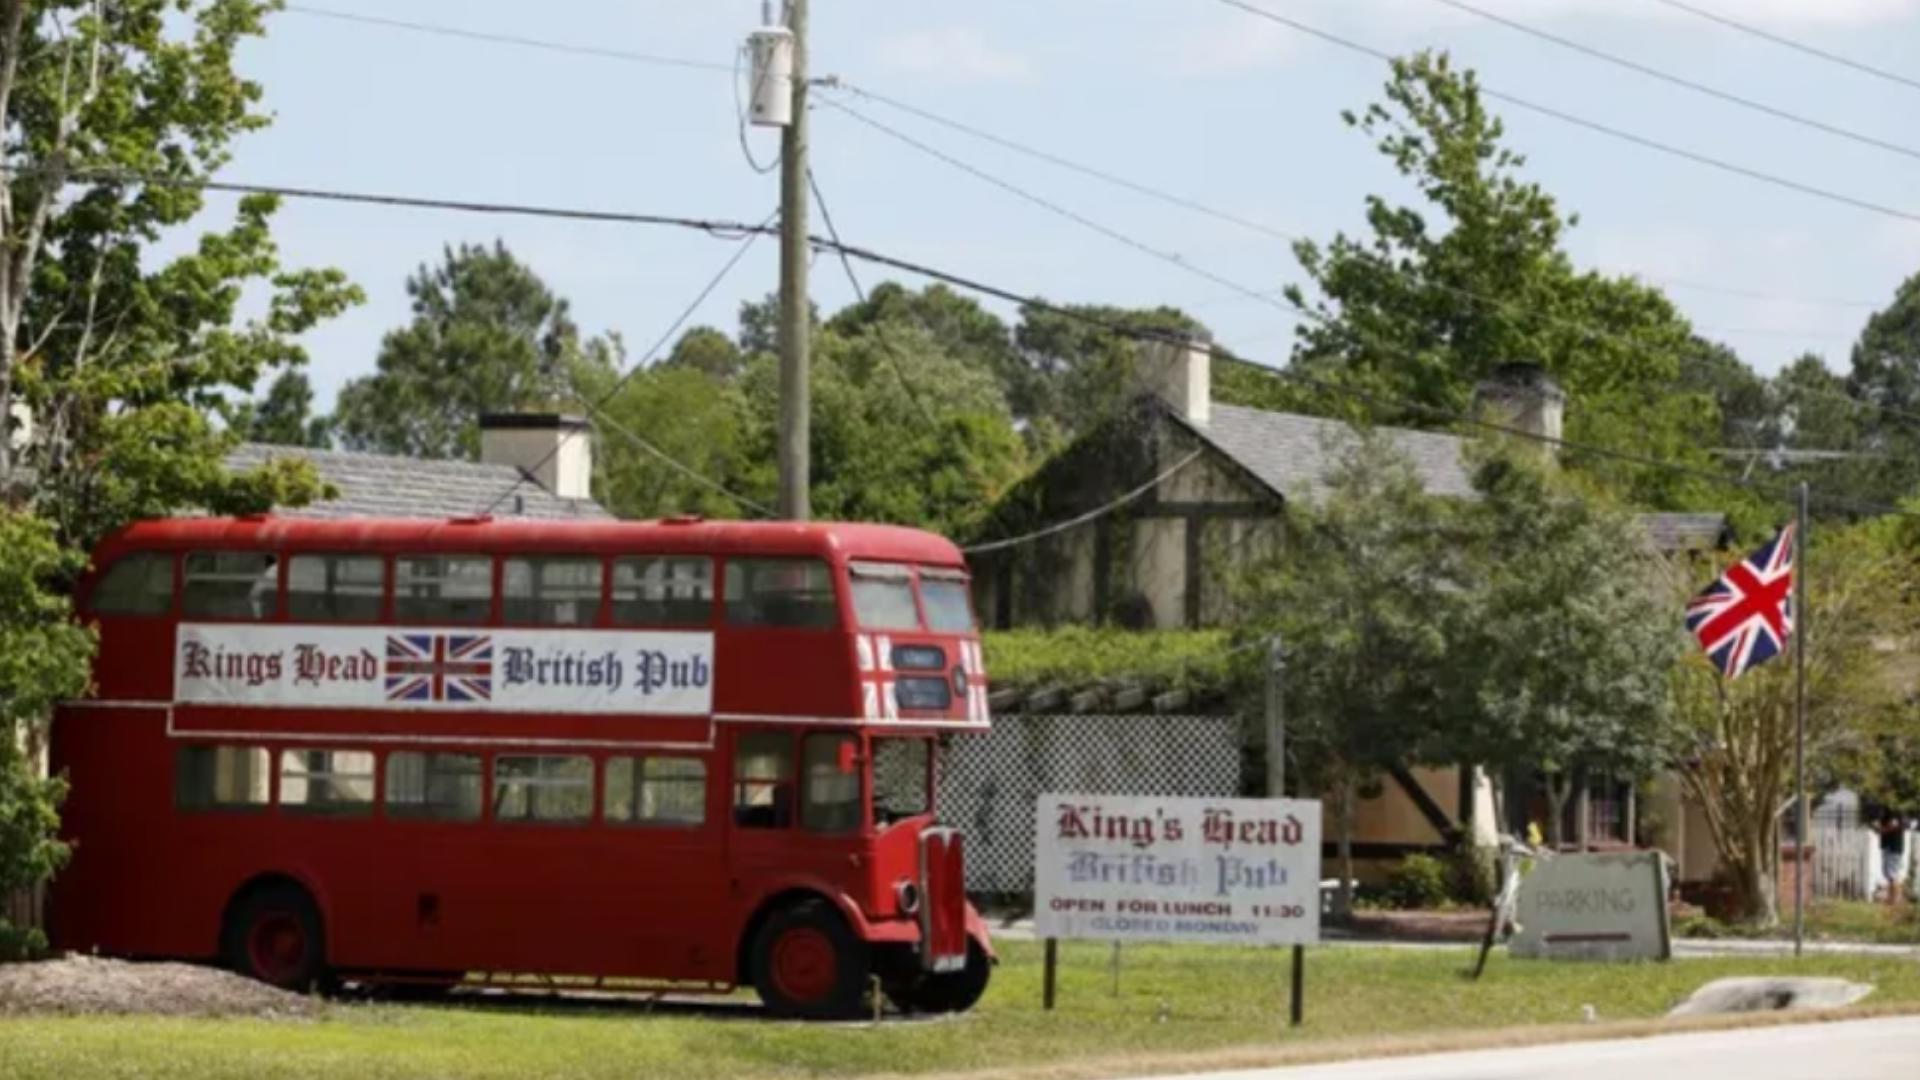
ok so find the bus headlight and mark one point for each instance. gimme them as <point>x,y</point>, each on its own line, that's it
<point>907,895</point>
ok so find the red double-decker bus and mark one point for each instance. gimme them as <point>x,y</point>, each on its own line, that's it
<point>683,754</point>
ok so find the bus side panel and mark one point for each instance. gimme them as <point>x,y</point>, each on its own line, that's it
<point>134,882</point>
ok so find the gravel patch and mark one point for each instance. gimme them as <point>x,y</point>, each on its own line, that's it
<point>89,986</point>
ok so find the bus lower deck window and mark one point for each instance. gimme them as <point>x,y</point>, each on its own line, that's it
<point>830,802</point>
<point>548,788</point>
<point>656,791</point>
<point>433,787</point>
<point>326,781</point>
<point>763,780</point>
<point>220,778</point>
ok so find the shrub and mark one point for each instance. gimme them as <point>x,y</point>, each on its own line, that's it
<point>20,944</point>
<point>1474,874</point>
<point>1420,881</point>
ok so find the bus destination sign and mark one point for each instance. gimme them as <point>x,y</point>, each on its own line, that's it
<point>456,670</point>
<point>1125,868</point>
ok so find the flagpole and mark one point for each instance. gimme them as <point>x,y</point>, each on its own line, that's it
<point>1800,625</point>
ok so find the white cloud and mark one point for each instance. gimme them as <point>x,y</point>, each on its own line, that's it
<point>953,53</point>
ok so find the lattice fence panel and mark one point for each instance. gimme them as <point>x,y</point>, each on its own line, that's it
<point>991,782</point>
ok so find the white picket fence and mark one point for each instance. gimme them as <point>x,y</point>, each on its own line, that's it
<point>1848,862</point>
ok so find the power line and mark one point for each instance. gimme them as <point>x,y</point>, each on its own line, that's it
<point>1790,43</point>
<point>1596,126</point>
<point>853,279</point>
<point>1170,257</point>
<point>440,30</point>
<point>1680,80</point>
<point>598,406</point>
<point>1270,299</point>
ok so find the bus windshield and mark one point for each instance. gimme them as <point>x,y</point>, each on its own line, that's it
<point>902,779</point>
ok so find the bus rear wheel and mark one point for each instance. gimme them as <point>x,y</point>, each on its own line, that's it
<point>273,934</point>
<point>947,992</point>
<point>808,964</point>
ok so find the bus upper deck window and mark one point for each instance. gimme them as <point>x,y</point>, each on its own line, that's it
<point>663,591</point>
<point>883,596</point>
<point>136,585</point>
<point>335,588</point>
<point>551,592</point>
<point>944,592</point>
<point>454,589</point>
<point>780,592</point>
<point>230,585</point>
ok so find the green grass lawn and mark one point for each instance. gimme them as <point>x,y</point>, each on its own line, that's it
<point>1171,1000</point>
<point>1828,920</point>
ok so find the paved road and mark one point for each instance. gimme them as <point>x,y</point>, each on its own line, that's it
<point>1855,1050</point>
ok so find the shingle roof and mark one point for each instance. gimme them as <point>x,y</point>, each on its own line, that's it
<point>1687,532</point>
<point>379,485</point>
<point>1293,454</point>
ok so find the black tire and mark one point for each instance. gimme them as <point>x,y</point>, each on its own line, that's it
<point>948,992</point>
<point>274,934</point>
<point>808,964</point>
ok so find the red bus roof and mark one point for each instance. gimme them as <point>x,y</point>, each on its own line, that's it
<point>830,540</point>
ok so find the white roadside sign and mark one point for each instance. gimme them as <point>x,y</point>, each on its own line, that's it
<point>1131,868</point>
<point>1594,907</point>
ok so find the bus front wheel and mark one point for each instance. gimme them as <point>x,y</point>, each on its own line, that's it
<point>808,964</point>
<point>947,992</point>
<point>273,934</point>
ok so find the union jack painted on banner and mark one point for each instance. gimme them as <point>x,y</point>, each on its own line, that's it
<point>439,667</point>
<point>1746,617</point>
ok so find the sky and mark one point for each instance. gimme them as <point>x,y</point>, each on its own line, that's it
<point>1191,96</point>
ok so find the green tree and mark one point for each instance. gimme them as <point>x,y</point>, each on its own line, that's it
<point>1886,373</point>
<point>1074,372</point>
<point>43,658</point>
<point>1441,294</point>
<point>487,336</point>
<point>1566,640</point>
<point>114,112</point>
<point>1363,596</point>
<point>1737,758</point>
<point>284,417</point>
<point>682,414</point>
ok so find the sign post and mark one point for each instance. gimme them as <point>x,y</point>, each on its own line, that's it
<point>1204,871</point>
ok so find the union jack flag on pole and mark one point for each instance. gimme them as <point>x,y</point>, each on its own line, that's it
<point>1746,617</point>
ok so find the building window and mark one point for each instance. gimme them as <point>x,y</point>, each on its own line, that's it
<point>656,791</point>
<point>326,781</point>
<point>551,592</point>
<point>780,592</point>
<point>551,789</point>
<point>663,592</point>
<point>449,589</point>
<point>230,585</point>
<point>763,780</point>
<point>220,778</point>
<point>335,588</point>
<point>883,597</point>
<point>433,787</point>
<point>831,798</point>
<point>136,585</point>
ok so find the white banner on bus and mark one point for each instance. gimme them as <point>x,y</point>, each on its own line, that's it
<point>452,670</point>
<point>1124,868</point>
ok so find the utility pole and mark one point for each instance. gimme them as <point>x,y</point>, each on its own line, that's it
<point>796,312</point>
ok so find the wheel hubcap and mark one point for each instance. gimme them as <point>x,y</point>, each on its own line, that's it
<point>277,946</point>
<point>805,967</point>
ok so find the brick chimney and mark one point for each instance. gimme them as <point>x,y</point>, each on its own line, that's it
<point>1181,374</point>
<point>1524,397</point>
<point>555,450</point>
